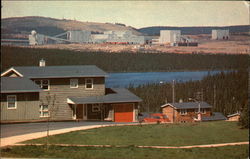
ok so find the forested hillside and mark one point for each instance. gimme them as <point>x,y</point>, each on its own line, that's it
<point>122,62</point>
<point>226,92</point>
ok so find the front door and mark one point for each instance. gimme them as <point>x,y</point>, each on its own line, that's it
<point>79,111</point>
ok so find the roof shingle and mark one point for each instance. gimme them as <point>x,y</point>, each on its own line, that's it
<point>18,85</point>
<point>188,105</point>
<point>61,71</point>
<point>120,95</point>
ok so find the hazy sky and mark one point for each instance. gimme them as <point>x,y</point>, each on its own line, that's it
<point>136,13</point>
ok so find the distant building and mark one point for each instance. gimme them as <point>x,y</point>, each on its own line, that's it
<point>36,39</point>
<point>118,37</point>
<point>189,112</point>
<point>220,34</point>
<point>169,36</point>
<point>79,36</point>
<point>234,117</point>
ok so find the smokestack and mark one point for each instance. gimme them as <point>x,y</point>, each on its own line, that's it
<point>42,63</point>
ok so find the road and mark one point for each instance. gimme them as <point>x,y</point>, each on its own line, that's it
<point>8,130</point>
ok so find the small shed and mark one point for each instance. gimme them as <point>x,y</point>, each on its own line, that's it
<point>233,117</point>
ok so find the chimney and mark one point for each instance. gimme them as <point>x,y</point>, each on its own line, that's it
<point>42,63</point>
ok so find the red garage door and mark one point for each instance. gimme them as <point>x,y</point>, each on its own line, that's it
<point>123,112</point>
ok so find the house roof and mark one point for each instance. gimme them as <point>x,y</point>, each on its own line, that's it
<point>18,85</point>
<point>215,116</point>
<point>119,95</point>
<point>235,114</point>
<point>58,71</point>
<point>187,105</point>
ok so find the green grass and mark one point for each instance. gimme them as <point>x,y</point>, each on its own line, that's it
<point>229,152</point>
<point>155,135</point>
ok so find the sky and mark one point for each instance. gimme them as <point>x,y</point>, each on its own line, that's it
<point>136,13</point>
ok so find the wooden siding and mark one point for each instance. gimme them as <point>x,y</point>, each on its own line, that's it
<point>60,90</point>
<point>27,107</point>
<point>234,118</point>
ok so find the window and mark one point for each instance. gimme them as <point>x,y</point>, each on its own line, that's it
<point>183,121</point>
<point>44,84</point>
<point>73,83</point>
<point>95,107</point>
<point>11,102</point>
<point>183,111</point>
<point>203,111</point>
<point>89,83</point>
<point>44,111</point>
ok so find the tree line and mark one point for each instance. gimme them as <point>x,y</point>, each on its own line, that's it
<point>226,92</point>
<point>122,62</point>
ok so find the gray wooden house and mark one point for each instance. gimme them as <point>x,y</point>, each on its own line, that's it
<point>73,92</point>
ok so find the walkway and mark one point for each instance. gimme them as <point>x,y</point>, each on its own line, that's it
<point>11,140</point>
<point>156,147</point>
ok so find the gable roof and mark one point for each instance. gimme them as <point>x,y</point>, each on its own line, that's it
<point>58,71</point>
<point>187,105</point>
<point>235,114</point>
<point>18,85</point>
<point>120,95</point>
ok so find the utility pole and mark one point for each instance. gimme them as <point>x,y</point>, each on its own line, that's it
<point>173,92</point>
<point>214,96</point>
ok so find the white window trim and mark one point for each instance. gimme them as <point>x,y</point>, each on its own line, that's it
<point>72,80</point>
<point>183,113</point>
<point>92,83</point>
<point>96,105</point>
<point>40,110</point>
<point>8,102</point>
<point>41,81</point>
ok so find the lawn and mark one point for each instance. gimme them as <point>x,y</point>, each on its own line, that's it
<point>155,135</point>
<point>228,152</point>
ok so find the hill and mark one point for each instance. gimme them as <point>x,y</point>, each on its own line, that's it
<point>51,26</point>
<point>155,30</point>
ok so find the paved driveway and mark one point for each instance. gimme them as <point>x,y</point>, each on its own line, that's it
<point>8,130</point>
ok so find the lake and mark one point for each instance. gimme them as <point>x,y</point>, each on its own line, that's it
<point>138,78</point>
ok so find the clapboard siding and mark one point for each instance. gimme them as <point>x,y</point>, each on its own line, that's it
<point>60,90</point>
<point>27,107</point>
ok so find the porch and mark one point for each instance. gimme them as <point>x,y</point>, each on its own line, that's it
<point>118,105</point>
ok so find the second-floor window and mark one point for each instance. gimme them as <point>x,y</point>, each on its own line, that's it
<point>11,102</point>
<point>89,83</point>
<point>183,111</point>
<point>44,84</point>
<point>73,83</point>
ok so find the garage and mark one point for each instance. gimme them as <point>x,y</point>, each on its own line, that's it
<point>123,112</point>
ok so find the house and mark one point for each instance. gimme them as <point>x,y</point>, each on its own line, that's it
<point>189,112</point>
<point>74,92</point>
<point>234,117</point>
<point>186,111</point>
<point>19,99</point>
